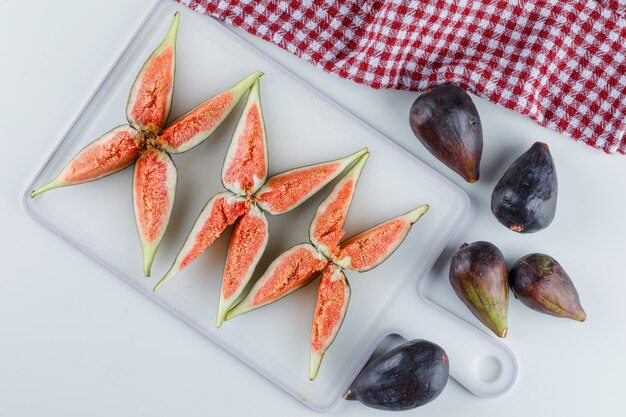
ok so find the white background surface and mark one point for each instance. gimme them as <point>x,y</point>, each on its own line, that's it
<point>76,341</point>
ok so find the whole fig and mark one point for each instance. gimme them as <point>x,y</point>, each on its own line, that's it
<point>524,200</point>
<point>478,275</point>
<point>409,376</point>
<point>446,121</point>
<point>541,283</point>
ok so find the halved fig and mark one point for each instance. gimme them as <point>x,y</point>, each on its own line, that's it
<point>197,125</point>
<point>245,166</point>
<point>220,212</point>
<point>150,96</point>
<point>370,248</point>
<point>247,244</point>
<point>327,226</point>
<point>108,154</point>
<point>289,189</point>
<point>333,296</point>
<point>292,270</point>
<point>154,187</point>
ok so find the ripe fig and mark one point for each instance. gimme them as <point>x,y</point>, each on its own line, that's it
<point>541,283</point>
<point>524,200</point>
<point>478,275</point>
<point>409,376</point>
<point>447,123</point>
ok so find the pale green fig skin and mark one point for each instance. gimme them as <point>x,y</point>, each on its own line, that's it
<point>238,91</point>
<point>478,274</point>
<point>542,284</point>
<point>344,163</point>
<point>58,181</point>
<point>225,304</point>
<point>168,41</point>
<point>149,249</point>
<point>254,98</point>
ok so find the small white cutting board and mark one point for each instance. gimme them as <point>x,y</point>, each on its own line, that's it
<point>303,127</point>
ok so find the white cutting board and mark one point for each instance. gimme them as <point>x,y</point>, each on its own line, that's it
<point>303,127</point>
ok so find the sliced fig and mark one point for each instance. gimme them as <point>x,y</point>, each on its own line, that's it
<point>542,284</point>
<point>108,154</point>
<point>247,244</point>
<point>447,123</point>
<point>197,125</point>
<point>333,296</point>
<point>370,248</point>
<point>292,270</point>
<point>245,166</point>
<point>524,200</point>
<point>220,212</point>
<point>327,226</point>
<point>289,189</point>
<point>478,275</point>
<point>150,98</point>
<point>154,187</point>
<point>409,376</point>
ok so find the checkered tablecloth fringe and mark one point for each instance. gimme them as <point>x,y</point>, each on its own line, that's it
<point>561,62</point>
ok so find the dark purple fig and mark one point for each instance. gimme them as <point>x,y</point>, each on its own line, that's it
<point>411,375</point>
<point>541,283</point>
<point>446,121</point>
<point>524,200</point>
<point>478,275</point>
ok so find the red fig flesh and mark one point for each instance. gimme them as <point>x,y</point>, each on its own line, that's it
<point>369,249</point>
<point>220,212</point>
<point>333,296</point>
<point>327,226</point>
<point>196,126</point>
<point>285,191</point>
<point>106,155</point>
<point>245,166</point>
<point>292,270</point>
<point>150,96</point>
<point>154,187</point>
<point>247,244</point>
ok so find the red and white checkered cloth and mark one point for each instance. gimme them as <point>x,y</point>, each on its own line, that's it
<point>561,62</point>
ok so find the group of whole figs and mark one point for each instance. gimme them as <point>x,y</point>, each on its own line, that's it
<point>446,122</point>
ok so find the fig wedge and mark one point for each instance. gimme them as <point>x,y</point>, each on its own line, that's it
<point>150,98</point>
<point>327,226</point>
<point>333,296</point>
<point>107,155</point>
<point>245,166</point>
<point>154,188</point>
<point>542,284</point>
<point>479,277</point>
<point>247,244</point>
<point>447,123</point>
<point>285,191</point>
<point>291,271</point>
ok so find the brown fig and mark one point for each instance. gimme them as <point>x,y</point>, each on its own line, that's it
<point>478,275</point>
<point>541,283</point>
<point>447,123</point>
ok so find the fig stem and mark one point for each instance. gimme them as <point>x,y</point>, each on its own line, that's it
<point>49,186</point>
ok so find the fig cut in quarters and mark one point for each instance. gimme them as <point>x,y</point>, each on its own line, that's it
<point>147,110</point>
<point>302,263</point>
